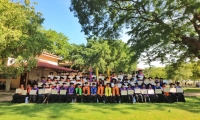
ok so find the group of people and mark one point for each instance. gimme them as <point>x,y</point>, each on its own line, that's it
<point>112,89</point>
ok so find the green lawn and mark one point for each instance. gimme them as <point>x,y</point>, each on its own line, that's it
<point>141,111</point>
<point>191,90</point>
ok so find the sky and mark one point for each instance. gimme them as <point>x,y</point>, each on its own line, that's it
<point>59,18</point>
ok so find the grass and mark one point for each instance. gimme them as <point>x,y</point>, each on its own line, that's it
<point>139,111</point>
<point>191,90</point>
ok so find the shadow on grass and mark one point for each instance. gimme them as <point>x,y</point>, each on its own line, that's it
<point>56,110</point>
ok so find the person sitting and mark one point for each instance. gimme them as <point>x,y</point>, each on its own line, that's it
<point>33,98</point>
<point>54,97</point>
<point>100,93</point>
<point>115,93</point>
<point>78,93</point>
<point>93,91</point>
<point>166,94</point>
<point>86,93</point>
<point>145,97</point>
<point>123,97</point>
<point>181,97</point>
<point>41,97</point>
<point>173,94</point>
<point>138,96</point>
<point>130,97</point>
<point>151,96</point>
<point>16,96</point>
<point>108,93</point>
<point>63,98</point>
<point>70,93</point>
<point>22,97</point>
<point>159,97</point>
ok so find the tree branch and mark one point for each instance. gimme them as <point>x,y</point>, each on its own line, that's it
<point>119,6</point>
<point>191,41</point>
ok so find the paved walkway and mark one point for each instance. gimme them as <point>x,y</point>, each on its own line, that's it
<point>6,95</point>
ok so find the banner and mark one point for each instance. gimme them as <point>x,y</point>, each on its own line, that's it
<point>108,73</point>
<point>97,73</point>
<point>90,74</point>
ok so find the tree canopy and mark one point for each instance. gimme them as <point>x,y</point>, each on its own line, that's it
<point>156,72</point>
<point>102,54</point>
<point>166,30</point>
<point>20,35</point>
<point>60,45</point>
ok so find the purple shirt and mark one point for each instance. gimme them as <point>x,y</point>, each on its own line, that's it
<point>64,88</point>
<point>71,90</point>
<point>122,89</point>
<point>129,89</point>
<point>43,81</point>
<point>36,90</point>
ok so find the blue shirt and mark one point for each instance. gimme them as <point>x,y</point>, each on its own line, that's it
<point>93,90</point>
<point>157,87</point>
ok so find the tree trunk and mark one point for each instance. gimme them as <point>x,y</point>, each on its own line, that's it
<point>192,41</point>
<point>8,81</point>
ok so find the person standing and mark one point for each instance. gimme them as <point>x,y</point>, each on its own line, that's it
<point>140,76</point>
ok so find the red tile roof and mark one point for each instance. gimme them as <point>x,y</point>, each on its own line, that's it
<point>51,66</point>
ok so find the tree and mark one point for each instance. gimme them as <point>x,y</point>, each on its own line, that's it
<point>20,37</point>
<point>102,54</point>
<point>165,30</point>
<point>156,72</point>
<point>60,45</point>
<point>183,72</point>
<point>195,70</point>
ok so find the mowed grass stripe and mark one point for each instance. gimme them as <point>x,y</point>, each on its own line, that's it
<point>64,111</point>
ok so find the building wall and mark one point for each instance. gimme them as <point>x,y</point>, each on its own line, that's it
<point>14,82</point>
<point>36,73</point>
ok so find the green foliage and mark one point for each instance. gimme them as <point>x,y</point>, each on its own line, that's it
<point>102,54</point>
<point>20,37</point>
<point>155,72</point>
<point>60,45</point>
<point>165,30</point>
<point>196,70</point>
<point>182,72</point>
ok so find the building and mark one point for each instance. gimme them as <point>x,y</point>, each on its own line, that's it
<point>46,63</point>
